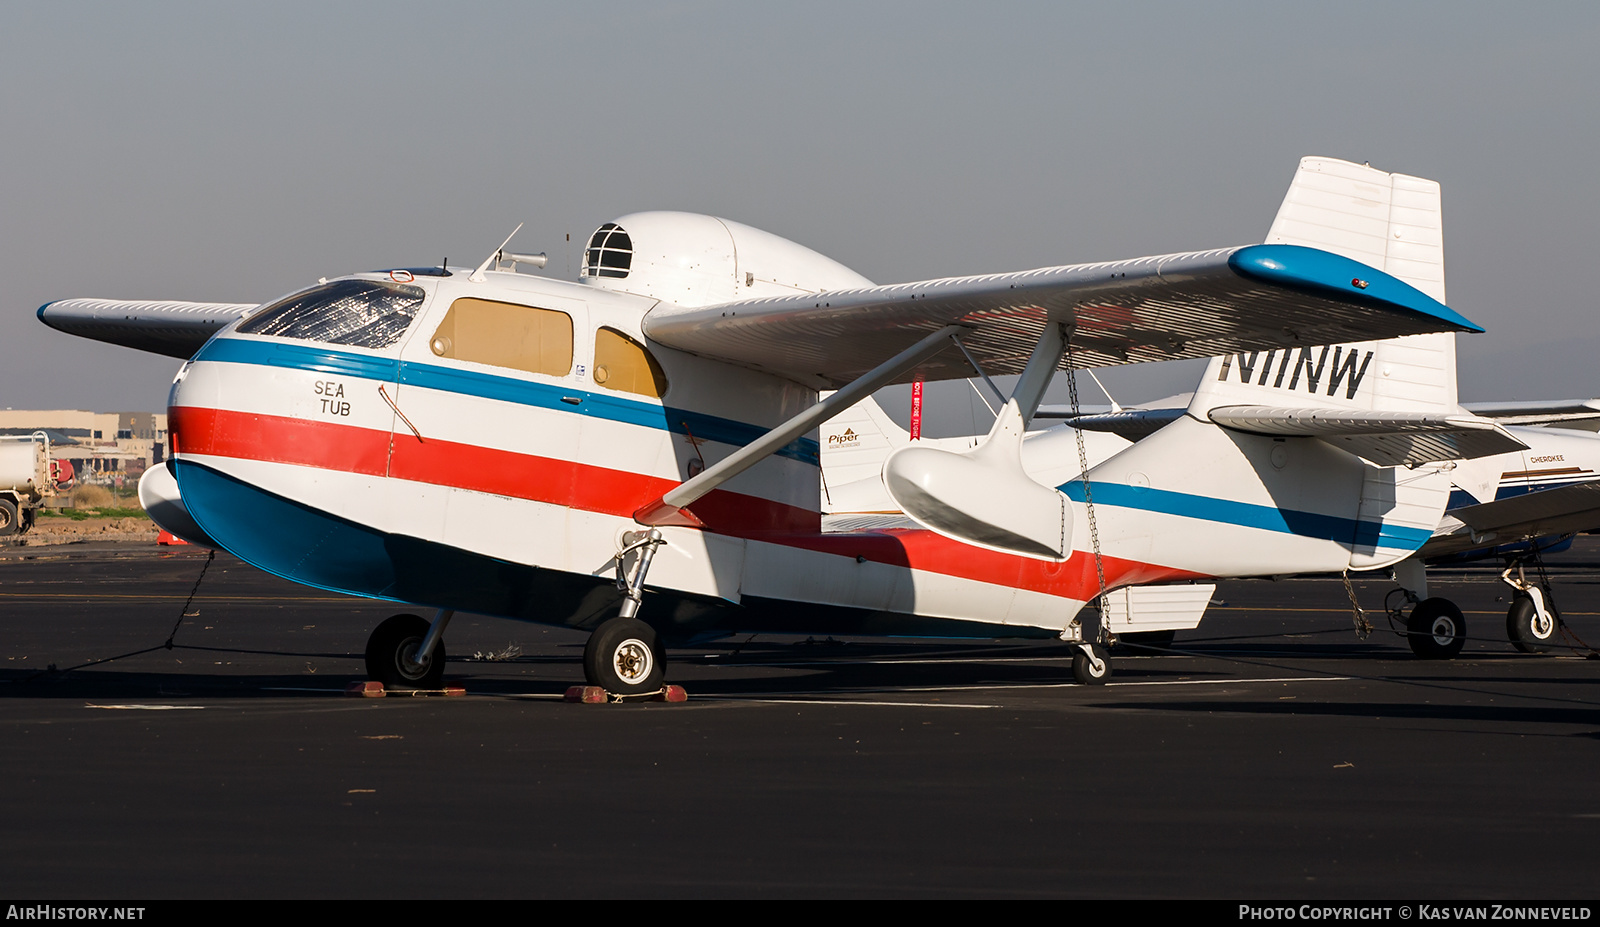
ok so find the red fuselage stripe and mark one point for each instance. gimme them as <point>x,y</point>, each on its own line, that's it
<point>349,449</point>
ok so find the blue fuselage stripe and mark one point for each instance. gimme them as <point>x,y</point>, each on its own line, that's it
<point>1250,515</point>
<point>603,405</point>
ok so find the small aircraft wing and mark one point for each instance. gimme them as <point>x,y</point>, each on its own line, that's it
<point>1199,304</point>
<point>176,329</point>
<point>1541,412</point>
<point>1563,510</point>
<point>1389,439</point>
<point>1129,424</point>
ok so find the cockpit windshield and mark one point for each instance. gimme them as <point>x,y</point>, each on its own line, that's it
<point>361,313</point>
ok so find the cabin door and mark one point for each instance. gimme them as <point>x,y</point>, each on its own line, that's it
<point>485,438</point>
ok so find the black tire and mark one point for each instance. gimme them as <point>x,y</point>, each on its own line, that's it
<point>1436,629</point>
<point>1083,669</point>
<point>10,523</point>
<point>625,657</point>
<point>1524,628</point>
<point>391,647</point>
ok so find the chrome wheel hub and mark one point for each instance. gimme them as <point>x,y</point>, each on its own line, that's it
<point>632,660</point>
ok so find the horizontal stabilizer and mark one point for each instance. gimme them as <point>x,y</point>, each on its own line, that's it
<point>1198,304</point>
<point>1563,510</point>
<point>1388,439</point>
<point>1541,412</point>
<point>176,329</point>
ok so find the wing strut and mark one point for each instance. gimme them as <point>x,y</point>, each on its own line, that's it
<point>668,510</point>
<point>1042,364</point>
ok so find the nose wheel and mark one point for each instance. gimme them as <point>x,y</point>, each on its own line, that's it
<point>1531,628</point>
<point>395,654</point>
<point>624,657</point>
<point>1091,665</point>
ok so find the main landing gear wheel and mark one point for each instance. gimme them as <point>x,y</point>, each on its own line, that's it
<point>1091,671</point>
<point>1528,630</point>
<point>1436,629</point>
<point>392,653</point>
<point>624,657</point>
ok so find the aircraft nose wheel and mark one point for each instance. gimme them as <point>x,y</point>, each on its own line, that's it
<point>1436,629</point>
<point>1091,665</point>
<point>624,656</point>
<point>392,654</point>
<point>1530,631</point>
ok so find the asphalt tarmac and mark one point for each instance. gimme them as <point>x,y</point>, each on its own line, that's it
<point>1273,755</point>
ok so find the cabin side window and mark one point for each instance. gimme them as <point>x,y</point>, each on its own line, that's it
<point>622,364</point>
<point>506,335</point>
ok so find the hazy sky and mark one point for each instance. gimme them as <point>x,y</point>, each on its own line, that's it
<point>233,152</point>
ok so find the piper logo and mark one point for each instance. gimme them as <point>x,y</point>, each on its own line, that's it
<point>845,440</point>
<point>1302,366</point>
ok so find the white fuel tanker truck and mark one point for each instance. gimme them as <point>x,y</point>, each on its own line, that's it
<point>25,480</point>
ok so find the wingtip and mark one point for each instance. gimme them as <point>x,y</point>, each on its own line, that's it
<point>40,314</point>
<point>1303,268</point>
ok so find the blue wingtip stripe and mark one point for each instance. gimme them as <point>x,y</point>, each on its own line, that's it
<point>1324,273</point>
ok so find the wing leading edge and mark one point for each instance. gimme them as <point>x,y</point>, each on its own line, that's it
<point>1199,304</point>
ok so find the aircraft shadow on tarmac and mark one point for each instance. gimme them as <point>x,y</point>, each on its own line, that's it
<point>784,667</point>
<point>795,669</point>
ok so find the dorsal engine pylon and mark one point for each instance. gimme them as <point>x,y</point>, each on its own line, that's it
<point>688,259</point>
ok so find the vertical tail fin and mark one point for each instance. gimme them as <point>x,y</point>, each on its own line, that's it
<point>1392,222</point>
<point>856,441</point>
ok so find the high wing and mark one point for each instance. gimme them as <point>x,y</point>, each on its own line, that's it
<point>1541,412</point>
<point>1199,304</point>
<point>176,329</point>
<point>1563,510</point>
<point>1389,439</point>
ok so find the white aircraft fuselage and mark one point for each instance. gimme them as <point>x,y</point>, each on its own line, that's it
<point>641,444</point>
<point>512,494</point>
<point>420,464</point>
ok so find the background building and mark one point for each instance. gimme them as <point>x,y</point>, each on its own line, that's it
<point>104,447</point>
